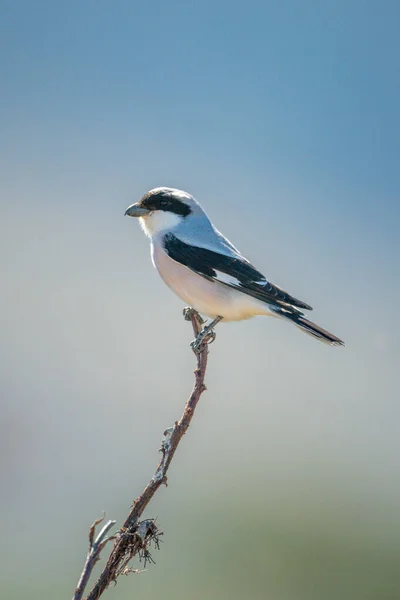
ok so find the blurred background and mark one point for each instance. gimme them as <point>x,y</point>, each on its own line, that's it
<point>282,119</point>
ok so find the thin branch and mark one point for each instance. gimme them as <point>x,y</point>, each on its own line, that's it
<point>135,536</point>
<point>95,547</point>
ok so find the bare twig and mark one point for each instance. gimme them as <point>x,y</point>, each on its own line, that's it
<point>95,547</point>
<point>135,536</point>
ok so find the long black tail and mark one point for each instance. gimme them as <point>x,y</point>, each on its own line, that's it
<point>312,329</point>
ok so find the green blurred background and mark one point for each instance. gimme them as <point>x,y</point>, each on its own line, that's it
<point>282,120</point>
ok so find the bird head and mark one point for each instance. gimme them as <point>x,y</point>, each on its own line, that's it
<point>163,209</point>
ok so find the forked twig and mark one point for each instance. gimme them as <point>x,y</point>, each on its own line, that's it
<point>95,547</point>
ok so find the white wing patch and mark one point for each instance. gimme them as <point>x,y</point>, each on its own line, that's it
<point>231,280</point>
<point>225,278</point>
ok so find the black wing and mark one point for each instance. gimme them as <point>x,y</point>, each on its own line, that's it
<point>234,272</point>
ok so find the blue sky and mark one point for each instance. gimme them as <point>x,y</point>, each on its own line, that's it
<point>282,118</point>
<point>264,83</point>
<point>297,93</point>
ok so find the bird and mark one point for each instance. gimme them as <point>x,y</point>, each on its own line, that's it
<point>207,271</point>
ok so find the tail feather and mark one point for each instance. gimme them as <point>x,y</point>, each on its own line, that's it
<point>312,329</point>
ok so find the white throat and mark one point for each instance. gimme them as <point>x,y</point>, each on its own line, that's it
<point>159,220</point>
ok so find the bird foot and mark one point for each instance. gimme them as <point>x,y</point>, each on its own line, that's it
<point>189,312</point>
<point>205,337</point>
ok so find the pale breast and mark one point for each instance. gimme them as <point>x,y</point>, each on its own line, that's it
<point>209,298</point>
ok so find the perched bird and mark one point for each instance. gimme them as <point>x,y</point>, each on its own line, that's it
<point>206,271</point>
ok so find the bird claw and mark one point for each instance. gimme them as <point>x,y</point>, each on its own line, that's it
<point>188,312</point>
<point>197,346</point>
<point>204,338</point>
<point>207,335</point>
